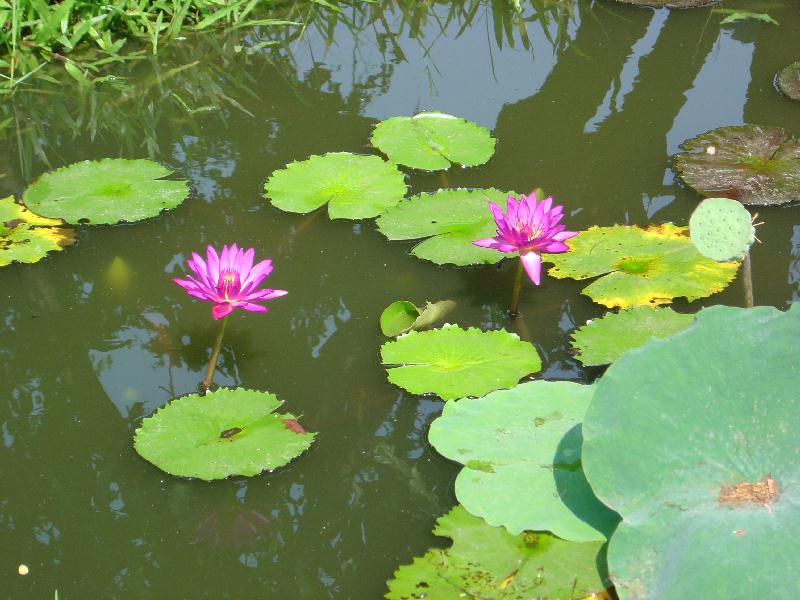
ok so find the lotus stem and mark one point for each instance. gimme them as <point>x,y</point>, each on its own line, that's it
<point>212,363</point>
<point>516,291</point>
<point>747,277</point>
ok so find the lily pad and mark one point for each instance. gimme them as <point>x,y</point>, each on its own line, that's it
<point>226,432</point>
<point>433,141</point>
<point>604,340</point>
<point>748,163</point>
<point>26,237</point>
<point>788,80</point>
<point>722,229</point>
<point>521,451</point>
<point>452,362</point>
<point>640,266</point>
<point>450,220</point>
<point>734,16</point>
<point>693,440</point>
<point>355,186</point>
<point>108,191</point>
<point>488,563</point>
<point>402,316</point>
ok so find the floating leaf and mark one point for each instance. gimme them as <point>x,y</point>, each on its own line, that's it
<point>26,237</point>
<point>106,191</point>
<point>640,266</point>
<point>521,451</point>
<point>402,316</point>
<point>722,229</point>
<point>604,340</point>
<point>788,80</point>
<point>748,163</point>
<point>226,432</point>
<point>670,3</point>
<point>355,186</point>
<point>693,440</point>
<point>488,563</point>
<point>452,362</point>
<point>743,15</point>
<point>451,220</point>
<point>433,141</point>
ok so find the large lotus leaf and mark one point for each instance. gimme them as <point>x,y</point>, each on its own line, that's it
<point>488,563</point>
<point>693,440</point>
<point>748,163</point>
<point>450,220</point>
<point>670,3</point>
<point>452,362</point>
<point>722,229</point>
<point>226,432</point>
<point>521,451</point>
<point>355,186</point>
<point>640,266</point>
<point>433,141</point>
<point>604,340</point>
<point>26,237</point>
<point>788,80</point>
<point>106,191</point>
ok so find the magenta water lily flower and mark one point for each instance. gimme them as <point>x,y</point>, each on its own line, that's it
<point>229,280</point>
<point>529,228</point>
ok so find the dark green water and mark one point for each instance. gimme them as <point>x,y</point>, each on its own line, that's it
<point>591,115</point>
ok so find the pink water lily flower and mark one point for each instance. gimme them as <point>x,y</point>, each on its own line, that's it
<point>529,228</point>
<point>229,280</point>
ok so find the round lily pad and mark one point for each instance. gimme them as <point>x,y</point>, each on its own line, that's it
<point>452,362</point>
<point>638,266</point>
<point>491,564</point>
<point>226,432</point>
<point>450,220</point>
<point>788,80</point>
<point>107,191</point>
<point>604,340</point>
<point>521,451</point>
<point>693,440</point>
<point>433,141</point>
<point>722,229</point>
<point>26,237</point>
<point>355,186</point>
<point>748,163</point>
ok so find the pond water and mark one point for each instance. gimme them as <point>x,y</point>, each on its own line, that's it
<point>587,100</point>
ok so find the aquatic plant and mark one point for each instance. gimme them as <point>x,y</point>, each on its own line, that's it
<point>402,316</point>
<point>788,80</point>
<point>722,229</point>
<point>26,237</point>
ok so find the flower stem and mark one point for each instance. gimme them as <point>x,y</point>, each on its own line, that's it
<point>212,363</point>
<point>747,277</point>
<point>515,292</point>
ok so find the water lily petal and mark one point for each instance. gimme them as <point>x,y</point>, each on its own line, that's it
<point>498,243</point>
<point>254,307</point>
<point>555,247</point>
<point>256,275</point>
<point>533,265</point>
<point>221,310</point>
<point>246,263</point>
<point>213,264</point>
<point>564,235</point>
<point>265,294</point>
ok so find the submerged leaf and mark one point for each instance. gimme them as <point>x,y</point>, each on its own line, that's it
<point>604,340</point>
<point>722,229</point>
<point>107,191</point>
<point>521,449</point>
<point>26,237</point>
<point>788,80</point>
<point>640,266</point>
<point>743,15</point>
<point>488,563</point>
<point>693,440</point>
<point>452,362</point>
<point>355,186</point>
<point>226,432</point>
<point>433,141</point>
<point>748,163</point>
<point>402,316</point>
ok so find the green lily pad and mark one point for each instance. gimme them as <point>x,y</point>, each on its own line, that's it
<point>450,220</point>
<point>402,316</point>
<point>638,267</point>
<point>226,432</point>
<point>788,80</point>
<point>734,16</point>
<point>521,451</point>
<point>722,229</point>
<point>670,3</point>
<point>693,440</point>
<point>433,141</point>
<point>107,191</point>
<point>452,362</point>
<point>748,163</point>
<point>26,237</point>
<point>488,563</point>
<point>604,340</point>
<point>355,186</point>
